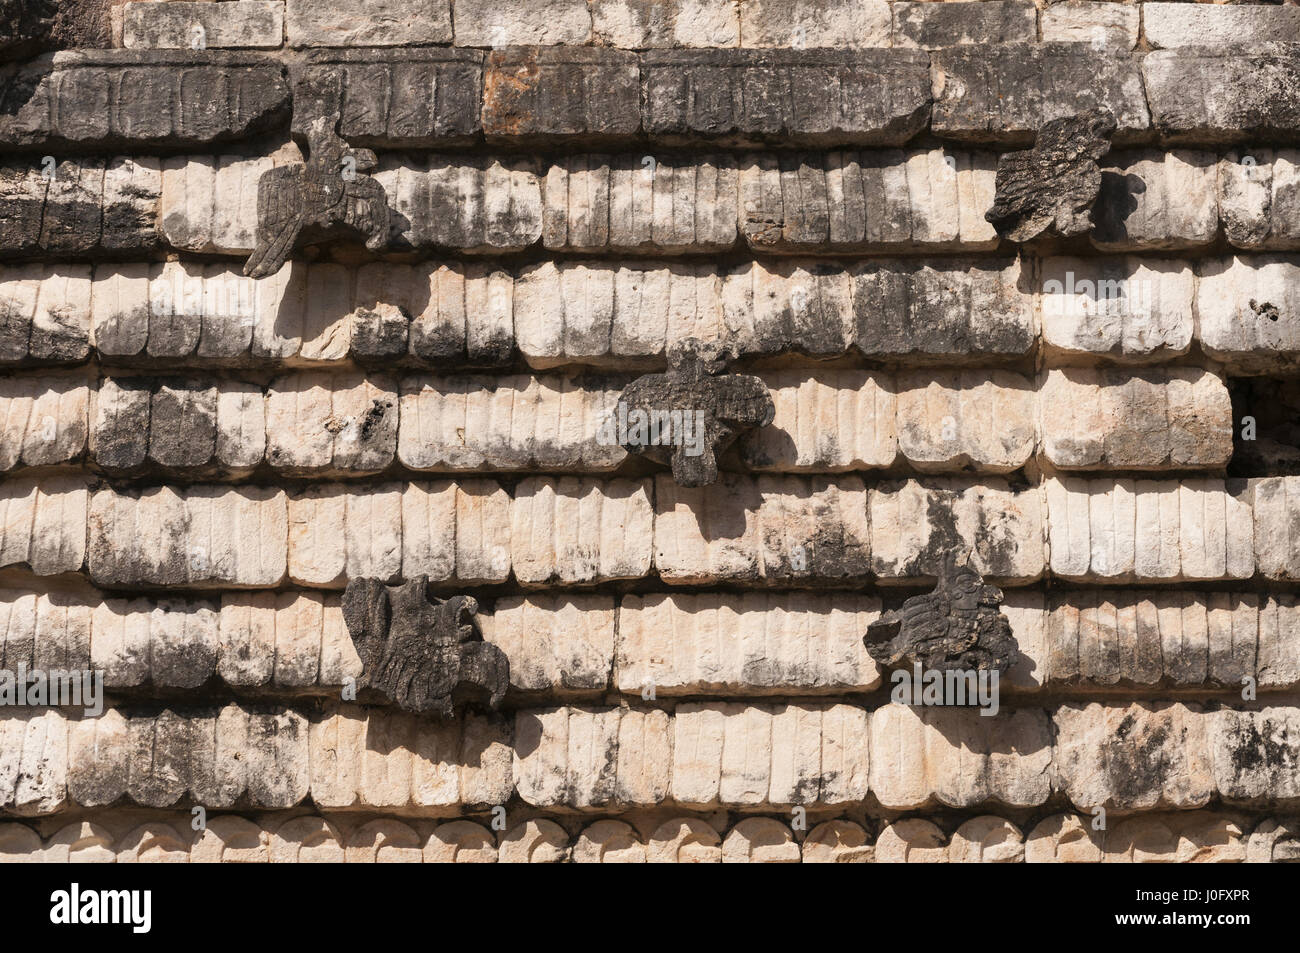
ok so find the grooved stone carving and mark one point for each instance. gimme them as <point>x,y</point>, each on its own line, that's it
<point>1051,188</point>
<point>324,200</point>
<point>425,655</point>
<point>957,627</point>
<point>692,413</point>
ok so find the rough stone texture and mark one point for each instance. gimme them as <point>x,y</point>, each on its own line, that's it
<point>1122,419</point>
<point>367,23</point>
<point>185,25</point>
<point>557,644</point>
<point>1275,502</point>
<point>712,409</point>
<point>44,314</point>
<point>498,23</point>
<point>1181,837</point>
<point>1207,95</point>
<point>812,24</point>
<point>916,525</point>
<point>1157,200</point>
<point>1050,189</point>
<point>762,531</point>
<point>1245,312</point>
<point>325,422</point>
<point>1005,94</point>
<point>81,207</point>
<point>752,644</point>
<point>1257,198</point>
<point>966,420</point>
<point>1189,529</point>
<point>1171,25</point>
<point>143,99</point>
<point>549,92</point>
<point>424,655</point>
<point>653,24</point>
<point>1103,25</point>
<point>42,524</point>
<point>955,628</point>
<point>812,97</point>
<point>933,26</point>
<point>43,420</point>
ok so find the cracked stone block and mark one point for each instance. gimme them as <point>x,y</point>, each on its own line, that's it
<point>384,842</point>
<point>367,22</point>
<point>1106,26</point>
<point>1245,312</point>
<point>1277,543</point>
<point>764,757</point>
<point>1257,195</point>
<point>933,26</point>
<point>757,643</point>
<point>685,840</point>
<point>834,420</point>
<point>761,531</point>
<point>196,535</point>
<point>43,420</point>
<point>557,644</point>
<point>34,766</point>
<point>609,842</point>
<point>592,758</point>
<point>133,99</point>
<point>814,24</point>
<point>760,840</point>
<point>536,841</point>
<point>1188,529</point>
<point>498,23</point>
<point>288,639</point>
<point>43,524</point>
<point>968,759</point>
<point>837,842</point>
<point>655,25</point>
<point>180,25</point>
<point>1171,25</point>
<point>1123,419</point>
<point>580,530</point>
<point>912,840</point>
<point>1221,96</point>
<point>548,92</point>
<point>987,840</point>
<point>1153,200</point>
<point>800,97</point>
<point>45,313</point>
<point>1141,756</point>
<point>325,422</point>
<point>306,840</point>
<point>1194,837</point>
<point>916,524</point>
<point>1004,94</point>
<point>338,532</point>
<point>966,420</point>
<point>1130,309</point>
<point>456,530</point>
<point>461,842</point>
<point>518,422</point>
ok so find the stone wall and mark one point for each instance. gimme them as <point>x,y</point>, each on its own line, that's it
<point>195,464</point>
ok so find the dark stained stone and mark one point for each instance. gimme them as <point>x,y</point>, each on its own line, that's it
<point>423,654</point>
<point>1225,95</point>
<point>710,407</point>
<point>327,199</point>
<point>1051,189</point>
<point>25,26</point>
<point>561,91</point>
<point>1005,93</point>
<point>804,97</point>
<point>162,100</point>
<point>958,627</point>
<point>183,424</point>
<point>401,98</point>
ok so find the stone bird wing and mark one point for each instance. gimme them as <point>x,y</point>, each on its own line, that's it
<point>279,219</point>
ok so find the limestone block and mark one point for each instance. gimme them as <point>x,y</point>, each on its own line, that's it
<point>546,92</point>
<point>592,758</point>
<point>1064,839</point>
<point>1253,755</point>
<point>1210,95</point>
<point>562,645</point>
<point>649,24</point>
<point>758,643</point>
<point>1273,841</point>
<point>1107,26</point>
<point>320,421</point>
<point>1170,25</point>
<point>367,23</point>
<point>338,532</point>
<point>580,530</point>
<point>837,842</point>
<point>1191,837</point>
<point>684,840</point>
<point>609,842</point>
<point>1245,314</point>
<point>250,24</point>
<point>33,761</point>
<point>912,840</point>
<point>19,844</point>
<point>987,840</point>
<point>804,24</point>
<point>916,522</point>
<point>761,531</point>
<point>1277,658</point>
<point>1143,756</point>
<point>521,22</point>
<point>45,631</point>
<point>1126,309</point>
<point>306,840</point>
<point>1157,200</point>
<point>209,203</point>
<point>966,420</point>
<point>44,313</point>
<point>760,840</point>
<point>456,530</point>
<point>288,639</point>
<point>462,311</point>
<point>536,841</point>
<point>384,842</point>
<point>761,757</point>
<point>43,420</point>
<point>42,524</point>
<point>229,838</point>
<point>82,842</point>
<point>1121,419</point>
<point>1257,204</point>
<point>775,305</point>
<point>932,26</point>
<point>461,842</point>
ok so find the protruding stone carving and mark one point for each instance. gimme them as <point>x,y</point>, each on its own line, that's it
<point>328,198</point>
<point>956,627</point>
<point>425,655</point>
<point>1051,188</point>
<point>691,414</point>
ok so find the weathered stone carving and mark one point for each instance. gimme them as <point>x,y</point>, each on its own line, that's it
<point>24,25</point>
<point>692,413</point>
<point>327,199</point>
<point>957,627</point>
<point>1051,188</point>
<point>425,655</point>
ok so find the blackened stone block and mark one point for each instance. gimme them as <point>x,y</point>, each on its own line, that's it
<point>1005,94</point>
<point>425,655</point>
<point>132,100</point>
<point>559,91</point>
<point>1225,95</point>
<point>183,424</point>
<point>403,99</point>
<point>24,26</point>
<point>803,97</point>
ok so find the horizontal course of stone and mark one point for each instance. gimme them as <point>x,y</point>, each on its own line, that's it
<point>318,422</point>
<point>700,755</point>
<point>879,201</point>
<point>1241,310</point>
<point>801,96</point>
<point>585,645</point>
<point>126,837</point>
<point>572,530</point>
